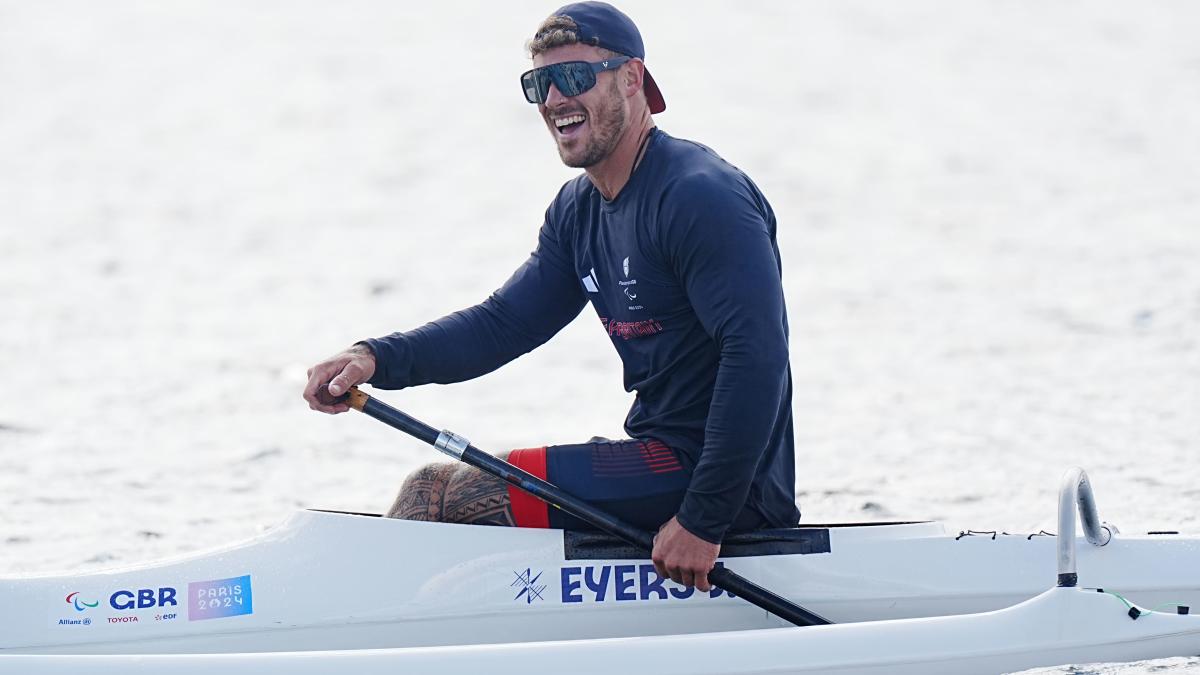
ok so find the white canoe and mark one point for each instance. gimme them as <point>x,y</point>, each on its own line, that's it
<point>374,595</point>
<point>1063,625</point>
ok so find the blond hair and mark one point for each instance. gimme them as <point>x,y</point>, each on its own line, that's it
<point>558,31</point>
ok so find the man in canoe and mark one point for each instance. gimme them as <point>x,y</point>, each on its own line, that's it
<point>675,249</point>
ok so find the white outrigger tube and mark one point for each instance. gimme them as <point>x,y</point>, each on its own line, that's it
<point>368,595</point>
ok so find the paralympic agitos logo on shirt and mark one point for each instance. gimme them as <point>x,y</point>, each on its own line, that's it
<point>621,583</point>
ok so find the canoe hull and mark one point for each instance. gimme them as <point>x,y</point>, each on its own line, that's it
<point>329,581</point>
<point>1062,625</point>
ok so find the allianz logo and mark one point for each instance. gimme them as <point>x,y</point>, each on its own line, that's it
<point>622,583</point>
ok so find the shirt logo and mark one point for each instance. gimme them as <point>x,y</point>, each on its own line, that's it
<point>628,286</point>
<point>628,330</point>
<point>589,282</point>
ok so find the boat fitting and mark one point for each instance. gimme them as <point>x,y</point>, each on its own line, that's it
<point>1077,490</point>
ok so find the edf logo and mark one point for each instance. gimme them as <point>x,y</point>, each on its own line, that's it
<point>143,598</point>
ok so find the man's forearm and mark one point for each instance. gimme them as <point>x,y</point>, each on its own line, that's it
<point>458,347</point>
<point>742,414</point>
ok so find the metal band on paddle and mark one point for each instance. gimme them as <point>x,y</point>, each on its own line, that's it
<point>451,444</point>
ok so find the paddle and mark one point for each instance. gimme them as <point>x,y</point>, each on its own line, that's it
<point>459,448</point>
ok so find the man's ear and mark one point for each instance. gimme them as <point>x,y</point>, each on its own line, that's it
<point>633,76</point>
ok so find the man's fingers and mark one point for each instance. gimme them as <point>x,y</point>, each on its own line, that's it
<point>337,385</point>
<point>314,381</point>
<point>661,569</point>
<point>687,577</point>
<point>656,557</point>
<point>319,375</point>
<point>328,399</point>
<point>351,375</point>
<point>333,377</point>
<point>675,574</point>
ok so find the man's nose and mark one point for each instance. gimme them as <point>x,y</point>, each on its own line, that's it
<point>554,96</point>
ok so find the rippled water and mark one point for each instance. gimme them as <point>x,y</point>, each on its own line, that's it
<point>989,216</point>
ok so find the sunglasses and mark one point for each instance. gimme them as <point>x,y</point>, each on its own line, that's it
<point>571,78</point>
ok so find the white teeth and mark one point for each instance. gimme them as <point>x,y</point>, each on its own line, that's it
<point>564,121</point>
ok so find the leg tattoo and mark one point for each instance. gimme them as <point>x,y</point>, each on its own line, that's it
<point>453,493</point>
<point>473,496</point>
<point>422,495</point>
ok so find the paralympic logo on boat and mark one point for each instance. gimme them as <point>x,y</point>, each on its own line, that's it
<point>530,588</point>
<point>80,604</point>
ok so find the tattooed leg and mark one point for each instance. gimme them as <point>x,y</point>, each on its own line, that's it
<point>422,495</point>
<point>473,496</point>
<point>454,493</point>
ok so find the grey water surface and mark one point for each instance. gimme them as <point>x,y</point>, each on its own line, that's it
<point>989,217</point>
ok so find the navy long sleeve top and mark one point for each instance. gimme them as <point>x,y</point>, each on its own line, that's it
<point>684,273</point>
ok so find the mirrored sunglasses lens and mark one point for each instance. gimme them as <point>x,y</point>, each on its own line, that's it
<point>541,79</point>
<point>573,78</point>
<point>529,84</point>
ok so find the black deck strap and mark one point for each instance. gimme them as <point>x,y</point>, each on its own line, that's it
<point>789,541</point>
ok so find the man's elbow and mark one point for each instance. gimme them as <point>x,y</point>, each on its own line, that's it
<point>770,355</point>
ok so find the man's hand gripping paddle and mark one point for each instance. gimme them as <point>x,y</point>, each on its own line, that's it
<point>460,449</point>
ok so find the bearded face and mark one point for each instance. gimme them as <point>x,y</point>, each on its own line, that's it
<point>586,128</point>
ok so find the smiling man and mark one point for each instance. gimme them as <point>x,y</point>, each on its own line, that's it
<point>675,250</point>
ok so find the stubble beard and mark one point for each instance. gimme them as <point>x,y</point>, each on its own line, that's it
<point>607,127</point>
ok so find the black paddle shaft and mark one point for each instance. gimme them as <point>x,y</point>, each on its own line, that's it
<point>458,447</point>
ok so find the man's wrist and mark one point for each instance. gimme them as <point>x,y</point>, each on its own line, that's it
<point>692,531</point>
<point>362,348</point>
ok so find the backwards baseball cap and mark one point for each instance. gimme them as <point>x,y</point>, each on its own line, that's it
<point>605,26</point>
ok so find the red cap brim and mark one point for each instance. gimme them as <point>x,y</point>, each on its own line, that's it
<point>653,96</point>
